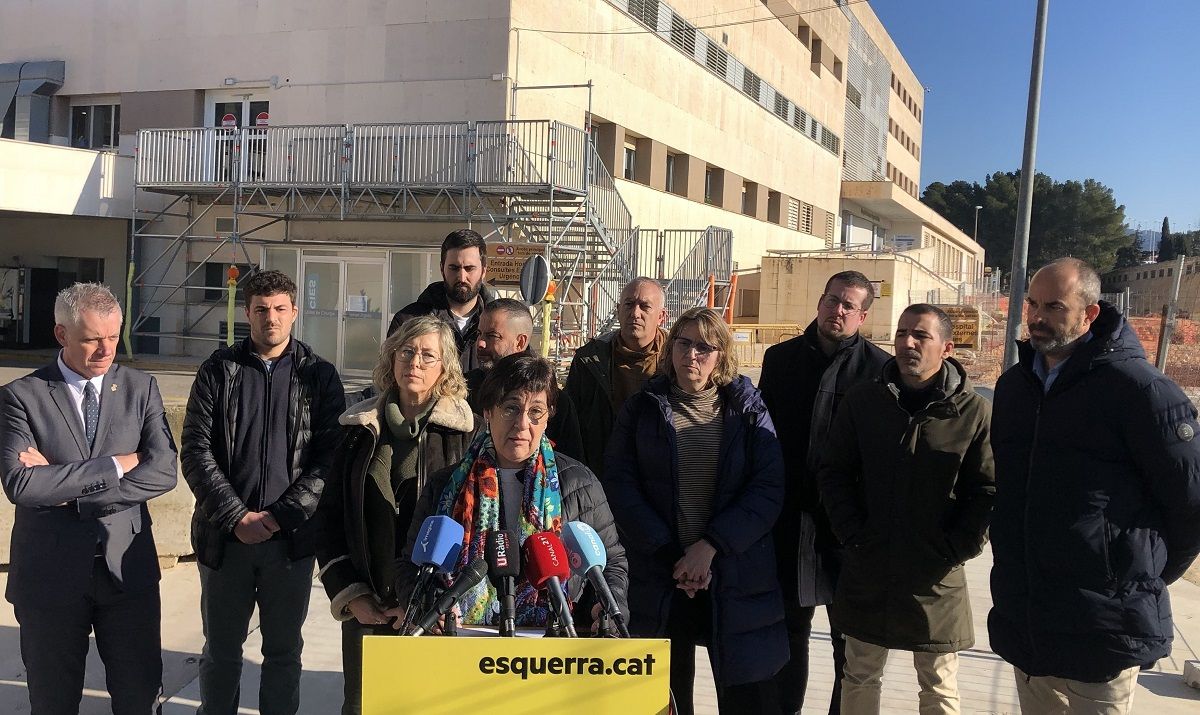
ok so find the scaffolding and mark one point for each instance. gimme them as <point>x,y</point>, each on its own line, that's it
<point>529,180</point>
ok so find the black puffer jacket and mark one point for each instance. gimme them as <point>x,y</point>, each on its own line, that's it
<point>363,525</point>
<point>316,399</point>
<point>1097,508</point>
<point>432,301</point>
<point>583,500</point>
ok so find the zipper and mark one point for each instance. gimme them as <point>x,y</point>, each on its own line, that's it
<point>262,473</point>
<point>1108,569</point>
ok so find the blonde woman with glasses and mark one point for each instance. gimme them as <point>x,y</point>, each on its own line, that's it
<point>695,477</point>
<point>418,424</point>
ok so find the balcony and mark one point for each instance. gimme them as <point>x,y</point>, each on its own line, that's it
<point>47,179</point>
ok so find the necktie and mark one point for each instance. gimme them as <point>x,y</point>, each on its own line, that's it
<point>91,412</point>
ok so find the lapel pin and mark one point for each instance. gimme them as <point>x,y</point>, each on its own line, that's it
<point>113,387</point>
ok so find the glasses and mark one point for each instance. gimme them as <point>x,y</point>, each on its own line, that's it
<point>832,302</point>
<point>409,355</point>
<point>702,349</point>
<point>513,412</point>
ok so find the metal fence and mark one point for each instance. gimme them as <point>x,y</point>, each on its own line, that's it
<point>421,155</point>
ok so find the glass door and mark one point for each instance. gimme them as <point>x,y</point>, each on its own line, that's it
<point>228,112</point>
<point>342,311</point>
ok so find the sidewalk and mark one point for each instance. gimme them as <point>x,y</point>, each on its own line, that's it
<point>985,682</point>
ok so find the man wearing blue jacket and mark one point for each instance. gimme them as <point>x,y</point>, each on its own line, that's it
<point>1097,501</point>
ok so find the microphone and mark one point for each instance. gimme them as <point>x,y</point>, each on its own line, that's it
<point>504,565</point>
<point>467,579</point>
<point>546,567</point>
<point>588,559</point>
<point>436,549</point>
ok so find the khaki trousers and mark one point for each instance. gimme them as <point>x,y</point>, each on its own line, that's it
<point>1059,696</point>
<point>937,674</point>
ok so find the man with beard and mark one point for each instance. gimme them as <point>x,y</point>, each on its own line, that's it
<point>1097,501</point>
<point>505,328</point>
<point>610,368</point>
<point>802,382</point>
<point>459,297</point>
<point>907,482</point>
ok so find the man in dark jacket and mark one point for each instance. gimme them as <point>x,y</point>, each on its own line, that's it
<point>907,481</point>
<point>802,382</point>
<point>505,328</point>
<point>610,368</point>
<point>1097,501</point>
<point>257,442</point>
<point>458,298</point>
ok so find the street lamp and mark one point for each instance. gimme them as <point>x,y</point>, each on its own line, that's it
<point>977,223</point>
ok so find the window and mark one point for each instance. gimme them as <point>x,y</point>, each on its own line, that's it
<point>709,177</point>
<point>854,95</point>
<point>751,83</point>
<point>630,162</point>
<point>671,173</point>
<point>646,11</point>
<point>95,126</point>
<point>683,35</point>
<point>781,106</point>
<point>216,276</point>
<point>716,59</point>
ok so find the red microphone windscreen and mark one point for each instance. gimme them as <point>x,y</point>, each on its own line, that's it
<point>545,556</point>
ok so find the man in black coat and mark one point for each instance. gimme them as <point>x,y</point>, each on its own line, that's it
<point>258,439</point>
<point>458,298</point>
<point>505,328</point>
<point>1097,502</point>
<point>802,383</point>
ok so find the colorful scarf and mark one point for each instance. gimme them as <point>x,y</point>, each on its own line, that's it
<point>472,498</point>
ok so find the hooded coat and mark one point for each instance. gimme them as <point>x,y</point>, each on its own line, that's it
<point>1097,508</point>
<point>910,496</point>
<point>642,481</point>
<point>433,301</point>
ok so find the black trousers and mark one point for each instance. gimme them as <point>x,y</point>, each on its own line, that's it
<point>352,646</point>
<point>54,647</point>
<point>689,625</point>
<point>793,678</point>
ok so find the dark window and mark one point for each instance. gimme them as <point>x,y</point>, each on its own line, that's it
<point>716,59</point>
<point>95,126</point>
<point>683,35</point>
<point>751,84</point>
<point>215,276</point>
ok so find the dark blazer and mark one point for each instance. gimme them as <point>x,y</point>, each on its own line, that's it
<point>642,483</point>
<point>1097,508</point>
<point>54,546</point>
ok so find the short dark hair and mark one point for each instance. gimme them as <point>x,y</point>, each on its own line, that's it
<point>945,325</point>
<point>267,283</point>
<point>518,372</point>
<point>854,279</point>
<point>464,238</point>
<point>512,308</point>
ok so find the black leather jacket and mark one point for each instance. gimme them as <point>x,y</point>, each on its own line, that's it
<point>209,429</point>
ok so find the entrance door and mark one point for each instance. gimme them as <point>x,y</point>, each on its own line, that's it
<point>341,311</point>
<point>228,112</point>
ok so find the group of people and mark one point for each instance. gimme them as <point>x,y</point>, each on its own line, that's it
<point>848,478</point>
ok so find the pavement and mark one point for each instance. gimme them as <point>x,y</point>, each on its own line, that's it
<point>986,683</point>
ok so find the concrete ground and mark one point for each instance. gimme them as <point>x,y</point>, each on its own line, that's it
<point>985,682</point>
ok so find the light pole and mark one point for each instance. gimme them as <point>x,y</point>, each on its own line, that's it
<point>976,236</point>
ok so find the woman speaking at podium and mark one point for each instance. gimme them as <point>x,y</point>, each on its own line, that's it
<point>512,480</point>
<point>695,475</point>
<point>418,423</point>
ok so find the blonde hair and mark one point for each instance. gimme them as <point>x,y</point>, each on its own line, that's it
<point>714,332</point>
<point>450,384</point>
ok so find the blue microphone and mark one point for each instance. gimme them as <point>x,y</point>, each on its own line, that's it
<point>436,550</point>
<point>588,557</point>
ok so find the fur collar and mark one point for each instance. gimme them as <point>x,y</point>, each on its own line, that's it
<point>449,412</point>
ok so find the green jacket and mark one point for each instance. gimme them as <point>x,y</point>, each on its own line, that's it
<point>911,497</point>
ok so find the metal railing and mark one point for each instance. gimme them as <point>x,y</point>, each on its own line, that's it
<point>711,254</point>
<point>607,210</point>
<point>494,156</point>
<point>604,291</point>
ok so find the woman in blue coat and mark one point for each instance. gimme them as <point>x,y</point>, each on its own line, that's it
<point>694,475</point>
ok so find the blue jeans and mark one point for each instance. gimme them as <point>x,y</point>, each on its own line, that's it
<point>262,575</point>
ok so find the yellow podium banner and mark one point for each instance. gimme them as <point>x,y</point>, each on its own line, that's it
<point>510,676</point>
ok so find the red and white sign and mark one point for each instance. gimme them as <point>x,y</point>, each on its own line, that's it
<point>262,119</point>
<point>229,120</point>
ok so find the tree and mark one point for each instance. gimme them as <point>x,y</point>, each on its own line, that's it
<point>1071,218</point>
<point>1130,254</point>
<point>1168,247</point>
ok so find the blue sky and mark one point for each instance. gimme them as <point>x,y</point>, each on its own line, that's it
<point>1120,94</point>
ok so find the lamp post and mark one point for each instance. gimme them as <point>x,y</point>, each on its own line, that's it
<point>976,236</point>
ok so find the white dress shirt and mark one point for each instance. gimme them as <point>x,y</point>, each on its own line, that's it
<point>75,383</point>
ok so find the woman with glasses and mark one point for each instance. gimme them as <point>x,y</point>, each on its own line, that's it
<point>511,479</point>
<point>418,424</point>
<point>695,477</point>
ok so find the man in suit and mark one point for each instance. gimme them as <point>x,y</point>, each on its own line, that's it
<point>84,444</point>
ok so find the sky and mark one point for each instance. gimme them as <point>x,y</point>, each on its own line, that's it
<point>1120,94</point>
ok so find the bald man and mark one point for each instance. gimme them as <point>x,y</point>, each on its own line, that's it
<point>506,328</point>
<point>610,368</point>
<point>1097,501</point>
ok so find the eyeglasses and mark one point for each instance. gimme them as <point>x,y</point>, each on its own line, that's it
<point>702,349</point>
<point>512,413</point>
<point>409,355</point>
<point>832,302</point>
